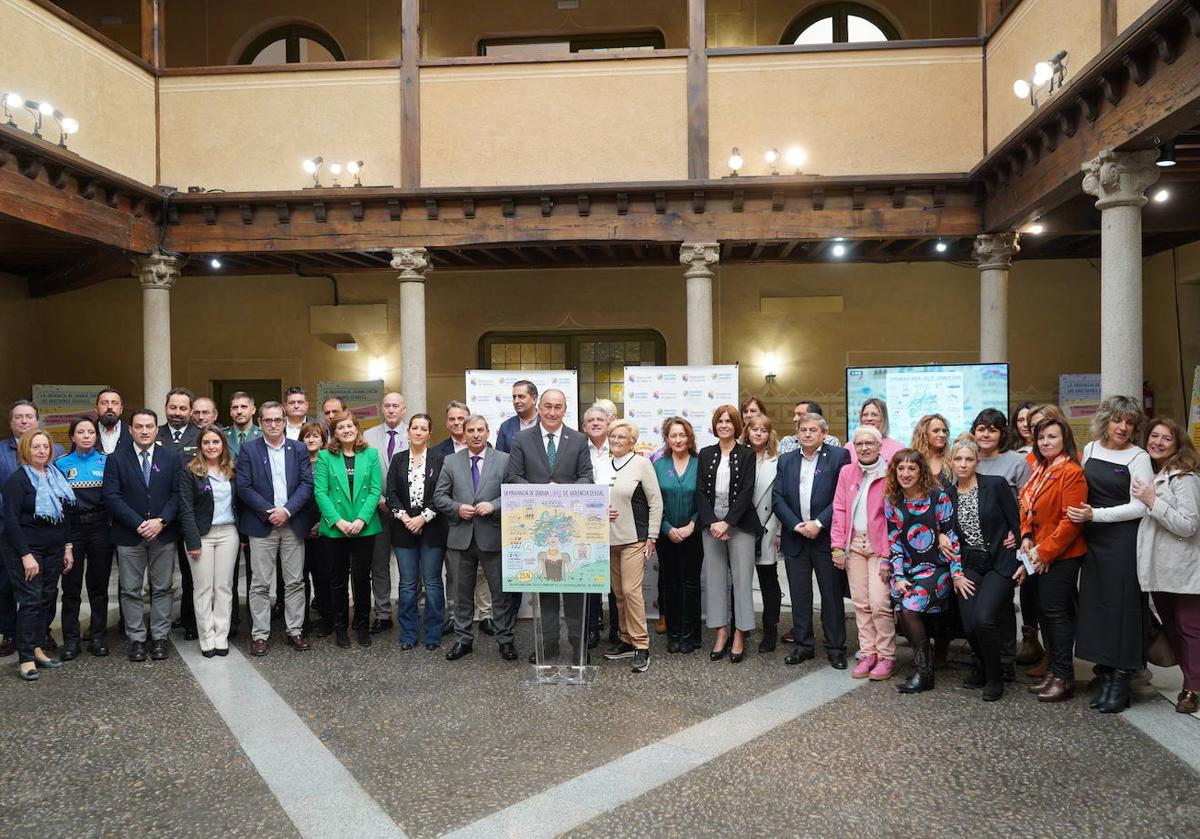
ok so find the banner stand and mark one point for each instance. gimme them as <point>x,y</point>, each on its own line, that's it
<point>560,673</point>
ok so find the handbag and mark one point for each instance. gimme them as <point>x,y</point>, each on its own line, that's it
<point>1158,650</point>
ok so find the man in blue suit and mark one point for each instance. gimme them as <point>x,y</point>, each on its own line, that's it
<point>525,403</point>
<point>275,488</point>
<point>140,492</point>
<point>803,501</point>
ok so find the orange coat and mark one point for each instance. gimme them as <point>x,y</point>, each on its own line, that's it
<point>1044,516</point>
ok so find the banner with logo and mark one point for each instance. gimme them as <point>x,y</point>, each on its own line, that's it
<point>60,405</point>
<point>652,394</point>
<point>489,393</point>
<point>362,399</point>
<point>554,537</point>
<point>1079,398</point>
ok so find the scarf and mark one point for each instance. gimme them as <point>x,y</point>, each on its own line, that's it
<point>1038,478</point>
<point>52,492</point>
<point>871,474</point>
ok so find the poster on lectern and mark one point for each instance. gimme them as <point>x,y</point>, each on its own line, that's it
<point>554,537</point>
<point>652,394</point>
<point>489,393</point>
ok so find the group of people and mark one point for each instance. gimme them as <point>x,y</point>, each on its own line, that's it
<point>929,540</point>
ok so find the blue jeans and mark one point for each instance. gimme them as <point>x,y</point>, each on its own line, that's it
<point>35,597</point>
<point>420,566</point>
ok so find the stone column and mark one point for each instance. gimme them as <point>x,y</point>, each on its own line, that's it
<point>157,273</point>
<point>698,258</point>
<point>994,253</point>
<point>413,265</point>
<point>1119,181</point>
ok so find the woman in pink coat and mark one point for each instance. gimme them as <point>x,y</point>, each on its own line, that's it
<point>860,544</point>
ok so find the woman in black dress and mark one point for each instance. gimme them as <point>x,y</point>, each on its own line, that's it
<point>1113,613</point>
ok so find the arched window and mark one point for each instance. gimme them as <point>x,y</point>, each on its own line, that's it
<point>840,23</point>
<point>295,44</point>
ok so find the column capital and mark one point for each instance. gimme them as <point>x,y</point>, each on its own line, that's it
<point>412,263</point>
<point>699,257</point>
<point>156,270</point>
<point>1120,179</point>
<point>995,251</point>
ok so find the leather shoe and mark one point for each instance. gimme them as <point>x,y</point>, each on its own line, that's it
<point>47,663</point>
<point>30,675</point>
<point>298,642</point>
<point>508,652</point>
<point>158,649</point>
<point>364,637</point>
<point>432,647</point>
<point>487,626</point>
<point>190,634</point>
<point>208,653</point>
<point>789,637</point>
<point>343,638</point>
<point>799,656</point>
<point>70,651</point>
<point>1058,690</point>
<point>381,625</point>
<point>458,651</point>
<point>407,646</point>
<point>97,647</point>
<point>137,651</point>
<point>258,647</point>
<point>7,647</point>
<point>837,660</point>
<point>221,651</point>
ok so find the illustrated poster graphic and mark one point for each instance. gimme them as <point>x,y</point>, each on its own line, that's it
<point>554,537</point>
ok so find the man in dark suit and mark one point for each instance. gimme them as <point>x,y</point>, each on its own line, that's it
<point>275,486</point>
<point>181,436</point>
<point>803,500</point>
<point>141,495</point>
<point>456,420</point>
<point>468,495</point>
<point>551,453</point>
<point>112,432</point>
<point>525,403</point>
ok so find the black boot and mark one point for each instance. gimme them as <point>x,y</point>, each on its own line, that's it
<point>922,678</point>
<point>975,679</point>
<point>767,644</point>
<point>1105,675</point>
<point>1117,699</point>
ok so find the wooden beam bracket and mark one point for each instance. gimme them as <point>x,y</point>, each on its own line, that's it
<point>739,200</point>
<point>508,206</point>
<point>547,206</point>
<point>777,200</point>
<point>395,209</point>
<point>356,210</point>
<point>468,205</point>
<point>431,209</point>
<point>247,213</point>
<point>584,203</point>
<point>209,211</point>
<point>1165,46</point>
<point>698,201</point>
<point>319,211</point>
<point>818,198</point>
<point>283,213</point>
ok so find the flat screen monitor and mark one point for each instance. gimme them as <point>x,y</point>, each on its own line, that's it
<point>956,391</point>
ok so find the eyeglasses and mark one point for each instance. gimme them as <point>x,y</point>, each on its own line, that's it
<point>271,420</point>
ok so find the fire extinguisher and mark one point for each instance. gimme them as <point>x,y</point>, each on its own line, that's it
<point>1148,399</point>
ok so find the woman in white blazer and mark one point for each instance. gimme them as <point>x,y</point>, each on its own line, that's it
<point>760,436</point>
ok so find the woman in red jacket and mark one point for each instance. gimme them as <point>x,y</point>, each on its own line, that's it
<point>1055,547</point>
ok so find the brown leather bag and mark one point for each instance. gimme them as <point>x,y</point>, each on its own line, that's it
<point>1158,650</point>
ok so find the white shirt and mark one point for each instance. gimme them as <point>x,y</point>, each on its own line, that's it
<point>458,447</point>
<point>277,460</point>
<point>808,470</point>
<point>108,439</point>
<point>602,471</point>
<point>292,432</point>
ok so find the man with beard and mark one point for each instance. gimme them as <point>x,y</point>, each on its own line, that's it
<point>113,432</point>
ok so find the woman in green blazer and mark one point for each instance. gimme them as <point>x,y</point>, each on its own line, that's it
<point>347,489</point>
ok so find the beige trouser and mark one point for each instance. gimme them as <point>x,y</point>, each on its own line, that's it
<point>212,585</point>
<point>872,600</point>
<point>627,566</point>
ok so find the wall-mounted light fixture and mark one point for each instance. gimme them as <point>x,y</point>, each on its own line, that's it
<point>354,167</point>
<point>1166,155</point>
<point>1162,196</point>
<point>772,158</point>
<point>1048,76</point>
<point>795,158</point>
<point>770,366</point>
<point>66,127</point>
<point>736,161</point>
<point>313,167</point>
<point>941,247</point>
<point>214,263</point>
<point>1036,228</point>
<point>839,251</point>
<point>12,102</point>
<point>347,346</point>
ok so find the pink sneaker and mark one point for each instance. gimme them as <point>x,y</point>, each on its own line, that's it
<point>863,668</point>
<point>883,670</point>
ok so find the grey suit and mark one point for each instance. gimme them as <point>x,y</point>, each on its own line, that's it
<point>529,464</point>
<point>474,543</point>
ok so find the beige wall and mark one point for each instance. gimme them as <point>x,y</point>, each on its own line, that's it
<point>892,314</point>
<point>856,113</point>
<point>47,60</point>
<point>547,124</point>
<point>1130,10</point>
<point>252,131</point>
<point>1034,32</point>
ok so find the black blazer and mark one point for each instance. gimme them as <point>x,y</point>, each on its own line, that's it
<point>396,492</point>
<point>742,514</point>
<point>998,516</point>
<point>196,507</point>
<point>131,502</point>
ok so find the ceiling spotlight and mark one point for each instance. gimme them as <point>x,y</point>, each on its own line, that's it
<point>66,126</point>
<point>35,108</point>
<point>941,247</point>
<point>839,250</point>
<point>1161,196</point>
<point>313,167</point>
<point>13,100</point>
<point>795,158</point>
<point>736,161</point>
<point>1166,155</point>
<point>1037,228</point>
<point>45,109</point>
<point>772,158</point>
<point>214,263</point>
<point>839,238</point>
<point>1022,89</point>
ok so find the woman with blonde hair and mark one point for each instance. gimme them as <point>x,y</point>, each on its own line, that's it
<point>1168,548</point>
<point>207,518</point>
<point>759,435</point>
<point>930,437</point>
<point>1113,610</point>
